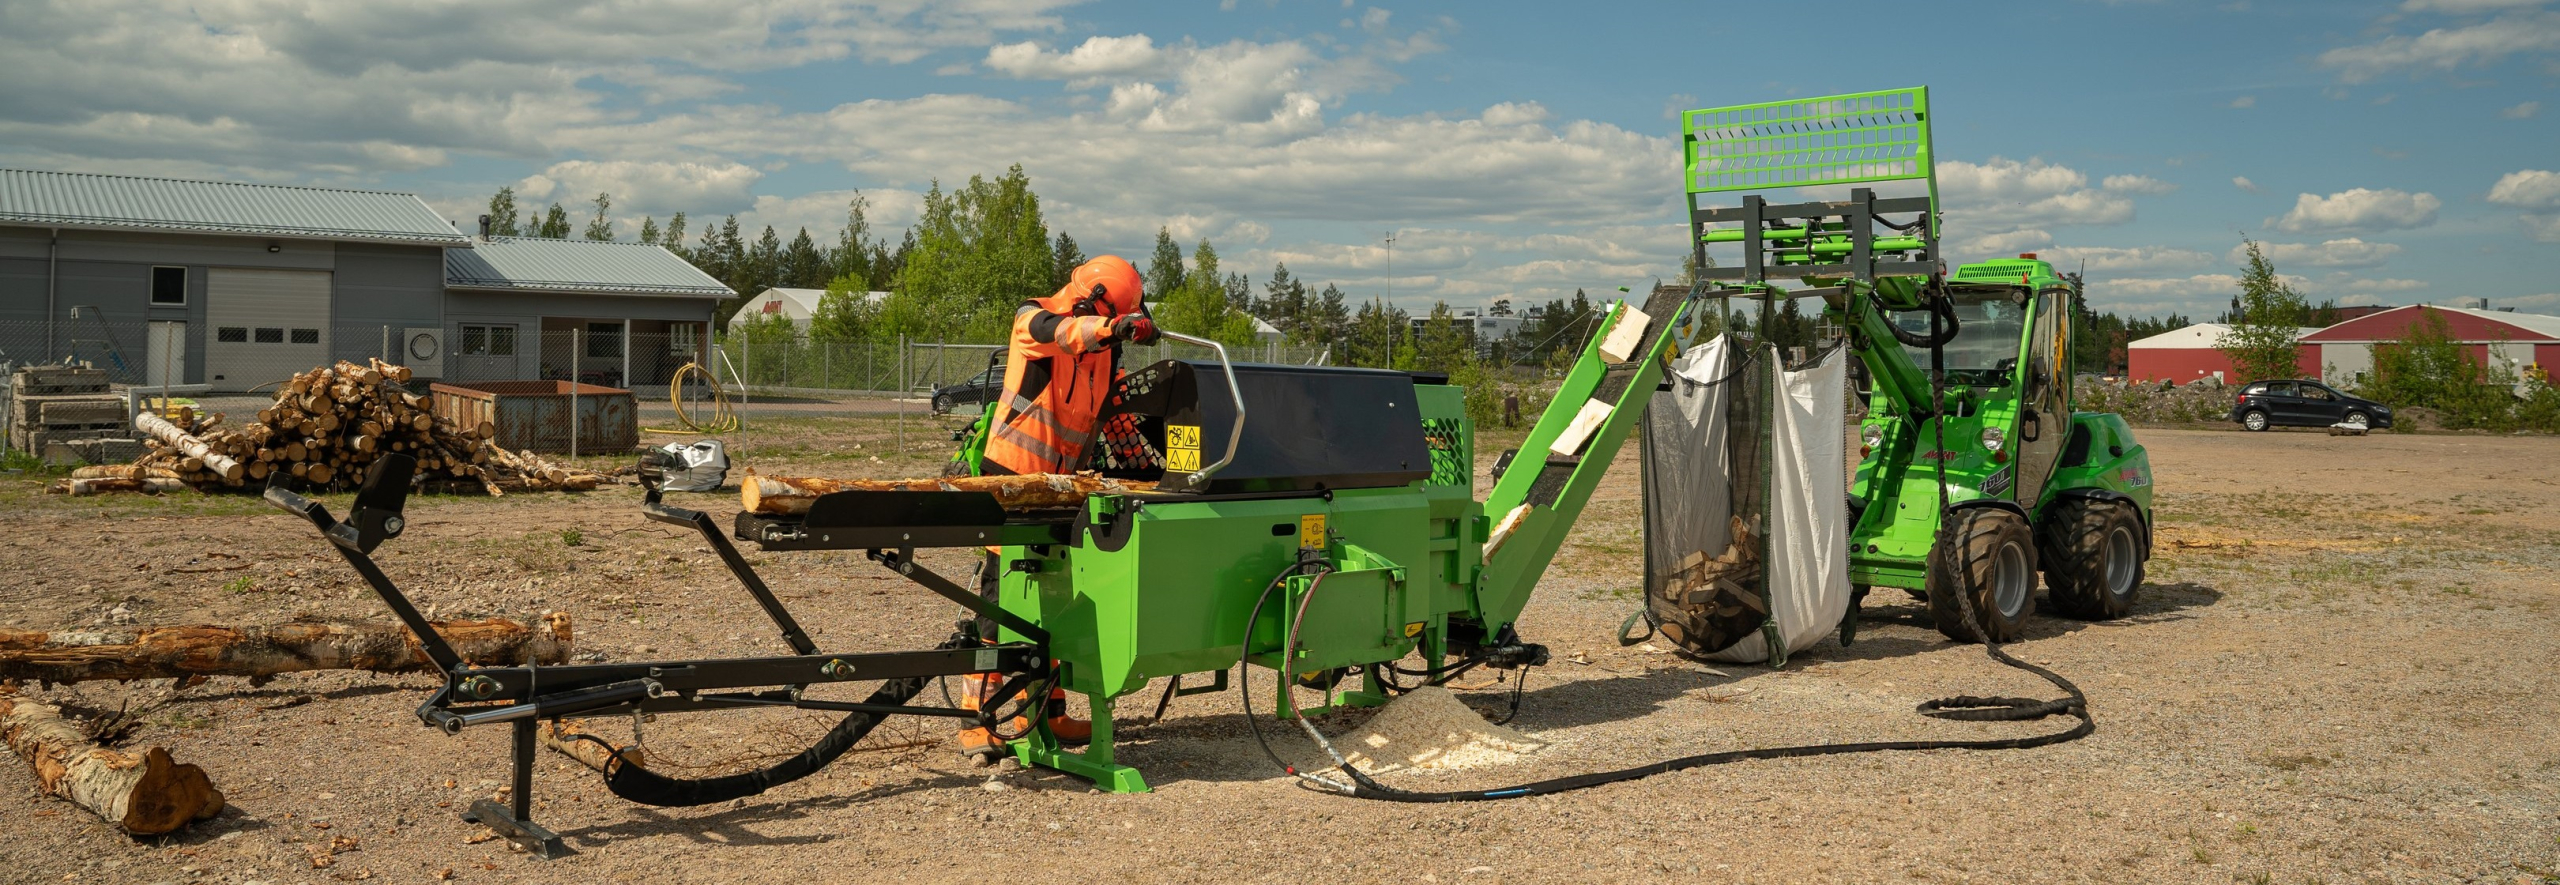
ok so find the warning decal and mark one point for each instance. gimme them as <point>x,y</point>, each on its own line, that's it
<point>1181,448</point>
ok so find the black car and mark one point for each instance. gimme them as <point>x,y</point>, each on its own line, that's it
<point>2300,403</point>
<point>976,391</point>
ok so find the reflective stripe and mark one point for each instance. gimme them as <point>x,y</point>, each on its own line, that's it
<point>1029,443</point>
<point>1029,409</point>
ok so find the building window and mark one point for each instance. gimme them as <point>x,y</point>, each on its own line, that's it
<point>168,287</point>
<point>232,334</point>
<point>306,336</point>
<point>488,341</point>
<point>271,336</point>
<point>604,341</point>
<point>683,338</point>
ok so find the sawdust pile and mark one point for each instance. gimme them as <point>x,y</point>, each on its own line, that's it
<point>1430,729</point>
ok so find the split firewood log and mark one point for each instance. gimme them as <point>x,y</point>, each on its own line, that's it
<point>791,495</point>
<point>177,652</point>
<point>144,795</point>
<point>159,428</point>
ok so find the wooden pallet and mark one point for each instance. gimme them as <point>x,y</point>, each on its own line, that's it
<point>57,381</point>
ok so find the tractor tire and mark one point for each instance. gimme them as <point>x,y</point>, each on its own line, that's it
<point>2092,558</point>
<point>1990,558</point>
<point>2256,420</point>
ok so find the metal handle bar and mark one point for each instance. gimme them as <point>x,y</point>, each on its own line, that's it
<point>1200,478</point>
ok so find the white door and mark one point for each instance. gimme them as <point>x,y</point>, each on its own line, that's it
<point>2346,365</point>
<point>267,325</point>
<point>168,355</point>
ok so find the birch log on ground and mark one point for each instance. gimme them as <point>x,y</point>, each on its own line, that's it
<point>563,737</point>
<point>160,429</point>
<point>178,652</point>
<point>145,795</point>
<point>791,495</point>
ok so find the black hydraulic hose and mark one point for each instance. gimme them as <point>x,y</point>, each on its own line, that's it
<point>1244,691</point>
<point>1966,708</point>
<point>1941,308</point>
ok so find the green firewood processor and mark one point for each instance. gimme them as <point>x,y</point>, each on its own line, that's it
<point>1320,523</point>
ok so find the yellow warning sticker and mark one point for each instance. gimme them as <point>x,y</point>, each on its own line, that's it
<point>1311,531</point>
<point>1412,630</point>
<point>1181,448</point>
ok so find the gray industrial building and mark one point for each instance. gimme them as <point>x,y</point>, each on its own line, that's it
<point>226,286</point>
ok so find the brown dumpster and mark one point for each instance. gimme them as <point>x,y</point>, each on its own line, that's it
<point>536,414</point>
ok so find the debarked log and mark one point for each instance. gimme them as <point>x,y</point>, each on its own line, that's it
<point>179,652</point>
<point>145,795</point>
<point>791,495</point>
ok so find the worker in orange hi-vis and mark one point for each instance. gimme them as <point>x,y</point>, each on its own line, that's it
<point>1061,364</point>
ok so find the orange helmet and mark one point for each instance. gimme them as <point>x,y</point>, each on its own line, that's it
<point>1110,280</point>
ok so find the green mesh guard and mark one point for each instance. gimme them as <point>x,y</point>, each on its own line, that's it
<point>1834,139</point>
<point>1447,440</point>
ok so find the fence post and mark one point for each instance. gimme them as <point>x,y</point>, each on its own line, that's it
<point>577,348</point>
<point>901,394</point>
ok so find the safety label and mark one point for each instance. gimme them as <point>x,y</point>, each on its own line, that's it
<point>1311,531</point>
<point>1181,448</point>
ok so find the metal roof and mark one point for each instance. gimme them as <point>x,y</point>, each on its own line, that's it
<point>124,202</point>
<point>546,265</point>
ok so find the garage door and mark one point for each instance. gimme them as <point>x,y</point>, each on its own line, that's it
<point>267,325</point>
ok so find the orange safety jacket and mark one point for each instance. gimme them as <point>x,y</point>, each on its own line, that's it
<point>1059,371</point>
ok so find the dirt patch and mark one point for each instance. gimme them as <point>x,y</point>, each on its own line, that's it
<point>2360,694</point>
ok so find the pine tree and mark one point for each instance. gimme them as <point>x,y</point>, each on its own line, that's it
<point>1328,315</point>
<point>851,257</point>
<point>802,266</point>
<point>1164,271</point>
<point>763,264</point>
<point>1068,256</point>
<point>1240,292</point>
<point>555,224</point>
<point>600,227</point>
<point>649,229</point>
<point>673,238</point>
<point>502,214</point>
<point>1284,305</point>
<point>1445,345</point>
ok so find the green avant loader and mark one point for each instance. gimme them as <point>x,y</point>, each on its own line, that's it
<point>1319,522</point>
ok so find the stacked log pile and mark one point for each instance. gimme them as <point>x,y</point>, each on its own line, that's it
<point>325,428</point>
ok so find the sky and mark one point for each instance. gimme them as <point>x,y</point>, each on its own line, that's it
<point>2388,152</point>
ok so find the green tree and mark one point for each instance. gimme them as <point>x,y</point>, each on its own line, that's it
<point>1284,304</point>
<point>1199,307</point>
<point>673,238</point>
<point>2264,321</point>
<point>1326,315</point>
<point>802,266</point>
<point>600,226</point>
<point>1066,255</point>
<point>1239,292</point>
<point>649,229</point>
<point>979,251</point>
<point>502,214</point>
<point>851,258</point>
<point>1164,270</point>
<point>555,223</point>
<point>1381,336</point>
<point>845,313</point>
<point>1445,345</point>
<point>2427,367</point>
<point>762,268</point>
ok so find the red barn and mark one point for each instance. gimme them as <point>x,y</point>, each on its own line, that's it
<point>2506,342</point>
<point>2187,355</point>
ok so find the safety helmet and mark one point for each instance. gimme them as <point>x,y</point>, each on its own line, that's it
<point>1111,281</point>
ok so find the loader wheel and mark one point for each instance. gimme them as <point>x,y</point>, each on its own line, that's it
<point>2092,558</point>
<point>1991,559</point>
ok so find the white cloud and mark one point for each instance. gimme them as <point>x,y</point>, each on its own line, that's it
<point>2347,252</point>
<point>2544,228</point>
<point>2527,189</point>
<point>2242,182</point>
<point>2245,101</point>
<point>2446,49</point>
<point>2002,195</point>
<point>2360,208</point>
<point>1095,57</point>
<point>649,187</point>
<point>2173,287</point>
<point>2524,111</point>
<point>2137,184</point>
<point>2466,7</point>
<point>2115,260</point>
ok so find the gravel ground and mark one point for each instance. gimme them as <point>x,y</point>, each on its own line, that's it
<point>2340,672</point>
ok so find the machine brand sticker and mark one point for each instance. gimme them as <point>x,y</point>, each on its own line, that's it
<point>1181,447</point>
<point>2134,477</point>
<point>1311,531</point>
<point>1996,483</point>
<point>1412,630</point>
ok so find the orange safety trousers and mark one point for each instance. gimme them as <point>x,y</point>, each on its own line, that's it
<point>1059,371</point>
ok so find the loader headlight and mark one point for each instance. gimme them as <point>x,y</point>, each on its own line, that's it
<point>1993,438</point>
<point>1872,435</point>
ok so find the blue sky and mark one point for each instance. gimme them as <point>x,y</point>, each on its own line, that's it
<point>2388,152</point>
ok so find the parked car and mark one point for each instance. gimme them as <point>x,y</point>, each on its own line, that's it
<point>2301,403</point>
<point>977,391</point>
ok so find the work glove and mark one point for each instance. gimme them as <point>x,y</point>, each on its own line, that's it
<point>1134,328</point>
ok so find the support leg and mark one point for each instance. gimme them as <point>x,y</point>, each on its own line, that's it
<point>1094,764</point>
<point>515,820</point>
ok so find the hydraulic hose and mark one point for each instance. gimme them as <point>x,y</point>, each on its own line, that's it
<point>1942,322</point>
